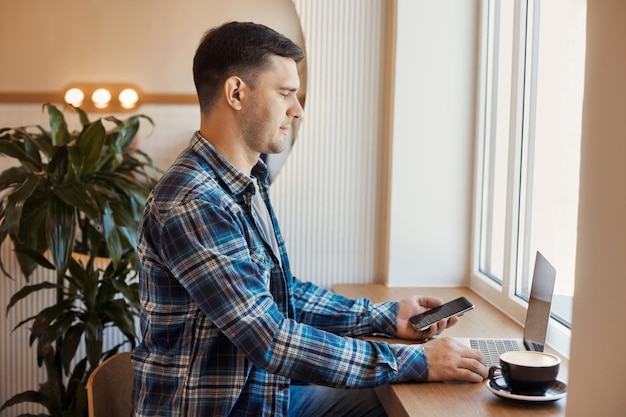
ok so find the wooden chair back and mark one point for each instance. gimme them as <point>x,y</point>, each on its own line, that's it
<point>110,387</point>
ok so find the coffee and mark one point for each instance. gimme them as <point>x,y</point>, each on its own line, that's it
<point>527,373</point>
<point>527,358</point>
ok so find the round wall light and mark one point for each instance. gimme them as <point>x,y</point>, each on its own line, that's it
<point>128,98</point>
<point>101,98</point>
<point>74,96</point>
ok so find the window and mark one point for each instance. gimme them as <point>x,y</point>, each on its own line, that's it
<point>531,94</point>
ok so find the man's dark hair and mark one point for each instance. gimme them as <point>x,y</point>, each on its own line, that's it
<point>236,48</point>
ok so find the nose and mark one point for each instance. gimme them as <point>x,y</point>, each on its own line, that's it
<point>296,111</point>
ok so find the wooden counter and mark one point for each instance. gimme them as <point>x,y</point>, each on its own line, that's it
<point>455,399</point>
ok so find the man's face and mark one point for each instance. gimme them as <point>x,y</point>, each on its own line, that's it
<point>272,104</point>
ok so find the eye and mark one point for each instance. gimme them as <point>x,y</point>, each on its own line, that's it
<point>287,92</point>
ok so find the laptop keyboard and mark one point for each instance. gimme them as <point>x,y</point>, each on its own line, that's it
<point>492,349</point>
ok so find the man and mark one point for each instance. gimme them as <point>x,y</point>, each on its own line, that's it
<point>226,328</point>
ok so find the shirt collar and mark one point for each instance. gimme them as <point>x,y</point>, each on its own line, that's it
<point>236,181</point>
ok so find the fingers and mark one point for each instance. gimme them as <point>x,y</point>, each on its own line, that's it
<point>430,302</point>
<point>438,328</point>
<point>414,305</point>
<point>471,371</point>
<point>450,360</point>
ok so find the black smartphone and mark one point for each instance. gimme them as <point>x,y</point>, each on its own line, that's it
<point>452,308</point>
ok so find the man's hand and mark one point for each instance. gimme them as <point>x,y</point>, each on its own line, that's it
<point>449,360</point>
<point>411,306</point>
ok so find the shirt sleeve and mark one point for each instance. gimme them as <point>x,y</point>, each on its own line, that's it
<point>208,253</point>
<point>335,313</point>
<point>412,362</point>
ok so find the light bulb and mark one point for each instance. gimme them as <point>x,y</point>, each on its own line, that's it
<point>128,98</point>
<point>74,96</point>
<point>101,98</point>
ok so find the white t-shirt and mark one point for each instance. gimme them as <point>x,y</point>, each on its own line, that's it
<point>263,214</point>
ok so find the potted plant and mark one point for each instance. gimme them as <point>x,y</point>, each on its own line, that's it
<point>74,192</point>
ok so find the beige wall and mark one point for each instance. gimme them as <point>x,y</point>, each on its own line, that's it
<point>147,42</point>
<point>432,142</point>
<point>598,362</point>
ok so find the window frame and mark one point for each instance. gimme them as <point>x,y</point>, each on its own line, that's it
<point>503,294</point>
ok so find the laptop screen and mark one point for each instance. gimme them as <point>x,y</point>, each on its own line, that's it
<point>538,313</point>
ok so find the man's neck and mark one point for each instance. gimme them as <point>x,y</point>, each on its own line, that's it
<point>230,147</point>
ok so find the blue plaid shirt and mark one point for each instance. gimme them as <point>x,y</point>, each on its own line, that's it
<point>225,326</point>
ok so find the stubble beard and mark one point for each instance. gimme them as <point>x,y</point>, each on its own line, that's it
<point>262,136</point>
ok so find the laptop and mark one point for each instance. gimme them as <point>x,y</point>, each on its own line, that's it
<point>537,318</point>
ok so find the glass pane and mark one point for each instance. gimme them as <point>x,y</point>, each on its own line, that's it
<point>552,129</point>
<point>496,138</point>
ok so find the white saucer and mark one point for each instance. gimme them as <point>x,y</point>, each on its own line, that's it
<point>556,392</point>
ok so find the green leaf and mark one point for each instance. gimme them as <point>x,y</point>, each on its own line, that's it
<point>112,236</point>
<point>15,203</point>
<point>3,236</point>
<point>25,397</point>
<point>80,196</point>
<point>89,147</point>
<point>36,144</point>
<point>78,274</point>
<point>49,327</point>
<point>60,134</point>
<point>122,318</point>
<point>53,387</point>
<point>48,336</point>
<point>43,141</point>
<point>36,256</point>
<point>76,163</point>
<point>125,216</point>
<point>70,344</point>
<point>129,292</point>
<point>128,185</point>
<point>76,392</point>
<point>17,150</point>
<point>23,322</point>
<point>90,292</point>
<point>84,119</point>
<point>93,341</point>
<point>12,176</point>
<point>57,170</point>
<point>45,317</point>
<point>131,126</point>
<point>29,289</point>
<point>61,232</point>
<point>31,243</point>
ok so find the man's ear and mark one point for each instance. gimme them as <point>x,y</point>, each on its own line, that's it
<point>234,89</point>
